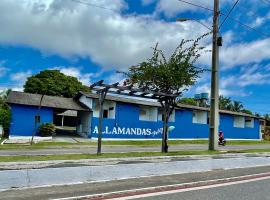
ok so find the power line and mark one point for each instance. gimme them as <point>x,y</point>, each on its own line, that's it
<point>228,14</point>
<point>196,5</point>
<point>245,25</point>
<point>93,5</point>
<point>228,17</point>
<point>267,2</point>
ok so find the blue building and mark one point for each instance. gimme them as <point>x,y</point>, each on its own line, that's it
<point>125,118</point>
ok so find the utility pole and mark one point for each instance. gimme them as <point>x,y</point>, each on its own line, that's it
<point>214,105</point>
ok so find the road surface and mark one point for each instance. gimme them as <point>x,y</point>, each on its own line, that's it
<point>242,191</point>
<point>258,189</point>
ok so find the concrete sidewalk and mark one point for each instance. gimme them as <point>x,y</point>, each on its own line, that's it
<point>108,172</point>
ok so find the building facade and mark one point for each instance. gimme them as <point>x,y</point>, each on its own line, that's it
<point>133,118</point>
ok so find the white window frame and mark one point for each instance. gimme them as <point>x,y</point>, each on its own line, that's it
<point>199,117</point>
<point>238,122</point>
<point>108,106</point>
<point>249,122</point>
<point>172,117</point>
<point>148,113</point>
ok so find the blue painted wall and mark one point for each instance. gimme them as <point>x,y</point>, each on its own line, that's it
<point>127,121</point>
<point>226,125</point>
<point>127,116</point>
<point>127,124</point>
<point>23,119</point>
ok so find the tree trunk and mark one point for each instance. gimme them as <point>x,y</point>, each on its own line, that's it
<point>166,116</point>
<point>101,102</point>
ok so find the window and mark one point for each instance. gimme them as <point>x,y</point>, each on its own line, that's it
<point>199,117</point>
<point>249,122</point>
<point>37,119</point>
<point>239,122</point>
<point>148,113</point>
<point>161,116</point>
<point>105,114</point>
<point>108,109</point>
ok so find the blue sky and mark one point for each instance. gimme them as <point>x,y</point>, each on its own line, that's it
<point>91,42</point>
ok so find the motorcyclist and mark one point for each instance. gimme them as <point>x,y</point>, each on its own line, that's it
<point>221,137</point>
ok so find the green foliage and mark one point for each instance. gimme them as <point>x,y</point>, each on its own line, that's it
<point>55,83</point>
<point>267,119</point>
<point>247,111</point>
<point>225,103</point>
<point>266,134</point>
<point>46,130</point>
<point>5,113</point>
<point>170,76</point>
<point>188,101</point>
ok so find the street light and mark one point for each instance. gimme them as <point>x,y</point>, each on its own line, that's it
<point>214,100</point>
<point>195,20</point>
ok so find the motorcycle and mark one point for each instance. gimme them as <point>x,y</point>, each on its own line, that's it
<point>221,141</point>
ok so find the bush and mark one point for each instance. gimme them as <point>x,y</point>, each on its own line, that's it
<point>266,134</point>
<point>5,118</point>
<point>46,130</point>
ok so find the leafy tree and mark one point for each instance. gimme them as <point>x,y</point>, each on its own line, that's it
<point>55,83</point>
<point>5,113</point>
<point>188,101</point>
<point>171,76</point>
<point>247,111</point>
<point>267,119</point>
<point>237,106</point>
<point>225,103</point>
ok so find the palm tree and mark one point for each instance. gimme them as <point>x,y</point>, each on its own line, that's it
<point>237,106</point>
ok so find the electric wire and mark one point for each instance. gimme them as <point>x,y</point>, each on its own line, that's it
<point>228,14</point>
<point>267,2</point>
<point>93,5</point>
<point>228,17</point>
<point>246,26</point>
<point>197,5</point>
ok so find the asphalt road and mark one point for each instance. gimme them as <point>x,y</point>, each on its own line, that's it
<point>258,190</point>
<point>121,148</point>
<point>237,191</point>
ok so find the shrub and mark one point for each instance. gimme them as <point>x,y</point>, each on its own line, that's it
<point>46,130</point>
<point>266,134</point>
<point>5,118</point>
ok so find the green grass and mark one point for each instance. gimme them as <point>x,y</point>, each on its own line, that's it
<point>122,155</point>
<point>247,142</point>
<point>107,155</point>
<point>142,143</point>
<point>250,151</point>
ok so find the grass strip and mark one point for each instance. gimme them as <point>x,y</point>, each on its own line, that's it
<point>52,144</point>
<point>122,155</point>
<point>106,155</point>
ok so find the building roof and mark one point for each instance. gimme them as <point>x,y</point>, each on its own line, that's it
<point>142,101</point>
<point>22,98</point>
<point>69,113</point>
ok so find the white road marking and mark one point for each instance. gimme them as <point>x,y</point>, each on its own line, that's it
<point>176,185</point>
<point>190,189</point>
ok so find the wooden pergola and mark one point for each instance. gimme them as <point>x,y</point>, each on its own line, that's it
<point>131,91</point>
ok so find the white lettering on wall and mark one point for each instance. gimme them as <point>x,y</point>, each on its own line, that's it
<point>129,131</point>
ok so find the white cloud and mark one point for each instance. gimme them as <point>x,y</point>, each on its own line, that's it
<point>70,29</point>
<point>3,71</point>
<point>173,7</point>
<point>114,78</point>
<point>85,78</point>
<point>20,76</point>
<point>245,53</point>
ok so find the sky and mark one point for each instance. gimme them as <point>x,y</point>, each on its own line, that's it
<point>93,39</point>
